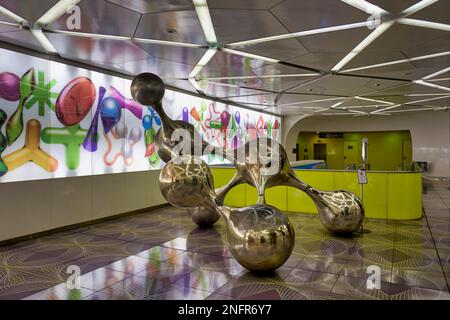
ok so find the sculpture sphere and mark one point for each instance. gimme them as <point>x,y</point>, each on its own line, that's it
<point>147,89</point>
<point>204,217</point>
<point>187,182</point>
<point>260,237</point>
<point>339,211</point>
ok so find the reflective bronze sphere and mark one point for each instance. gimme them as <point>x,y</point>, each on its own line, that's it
<point>260,237</point>
<point>187,182</point>
<point>147,89</point>
<point>204,217</point>
<point>339,211</point>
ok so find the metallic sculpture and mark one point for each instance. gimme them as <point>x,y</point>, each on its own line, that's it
<point>260,237</point>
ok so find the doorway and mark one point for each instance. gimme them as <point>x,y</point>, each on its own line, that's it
<point>350,153</point>
<point>320,151</point>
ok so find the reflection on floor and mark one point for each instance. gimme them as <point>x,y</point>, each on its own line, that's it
<point>162,255</point>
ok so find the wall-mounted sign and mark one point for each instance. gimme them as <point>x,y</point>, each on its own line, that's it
<point>331,135</point>
<point>362,177</point>
<point>60,121</point>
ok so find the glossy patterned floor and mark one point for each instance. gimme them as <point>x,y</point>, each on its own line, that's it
<point>162,255</point>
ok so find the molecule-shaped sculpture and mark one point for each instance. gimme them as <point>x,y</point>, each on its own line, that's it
<point>260,237</point>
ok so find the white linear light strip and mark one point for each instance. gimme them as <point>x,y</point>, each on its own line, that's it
<point>424,24</point>
<point>417,7</point>
<point>123,38</point>
<point>373,100</point>
<point>440,79</point>
<point>194,83</point>
<point>201,7</point>
<point>424,94</point>
<point>313,101</point>
<point>250,55</point>
<point>43,41</point>
<point>388,108</point>
<point>264,76</point>
<point>431,85</point>
<point>436,73</point>
<point>430,99</point>
<point>428,56</point>
<point>302,33</point>
<point>420,109</point>
<point>55,12</point>
<point>203,61</point>
<point>12,15</point>
<point>11,24</point>
<point>362,45</point>
<point>365,6</point>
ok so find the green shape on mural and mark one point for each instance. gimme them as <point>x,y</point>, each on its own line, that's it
<point>71,137</point>
<point>42,94</point>
<point>14,127</point>
<point>3,144</point>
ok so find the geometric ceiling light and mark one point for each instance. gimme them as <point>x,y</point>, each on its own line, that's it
<point>43,41</point>
<point>436,73</point>
<point>250,55</point>
<point>203,61</point>
<point>363,44</point>
<point>417,7</point>
<point>310,101</point>
<point>201,7</point>
<point>301,34</point>
<point>425,24</point>
<point>56,12</point>
<point>428,56</point>
<point>366,7</point>
<point>264,76</point>
<point>373,100</point>
<point>12,15</point>
<point>431,85</point>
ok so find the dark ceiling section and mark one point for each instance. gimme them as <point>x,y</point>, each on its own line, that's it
<point>287,57</point>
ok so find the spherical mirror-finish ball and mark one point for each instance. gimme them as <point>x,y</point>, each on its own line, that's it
<point>187,182</point>
<point>203,217</point>
<point>147,89</point>
<point>260,237</point>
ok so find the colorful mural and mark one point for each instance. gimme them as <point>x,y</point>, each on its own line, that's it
<point>61,121</point>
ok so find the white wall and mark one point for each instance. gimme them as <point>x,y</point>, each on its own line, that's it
<point>34,206</point>
<point>430,133</point>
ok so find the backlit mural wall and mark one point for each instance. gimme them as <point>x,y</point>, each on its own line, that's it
<point>60,121</point>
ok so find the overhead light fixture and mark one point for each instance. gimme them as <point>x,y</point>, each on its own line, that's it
<point>366,6</point>
<point>201,7</point>
<point>417,7</point>
<point>302,33</point>
<point>388,108</point>
<point>362,45</point>
<point>168,43</point>
<point>428,56</point>
<point>430,99</point>
<point>313,101</point>
<point>250,55</point>
<point>11,24</point>
<point>12,15</point>
<point>436,73</point>
<point>424,94</point>
<point>373,100</point>
<point>431,85</point>
<point>264,76</point>
<point>424,24</point>
<point>419,109</point>
<point>56,11</point>
<point>43,40</point>
<point>203,61</point>
<point>194,83</point>
<point>439,79</point>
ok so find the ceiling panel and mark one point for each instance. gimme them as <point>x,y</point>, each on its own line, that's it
<point>280,49</point>
<point>178,26</point>
<point>437,101</point>
<point>305,100</point>
<point>408,88</point>
<point>21,38</point>
<point>162,68</point>
<point>260,100</point>
<point>183,55</point>
<point>99,16</point>
<point>181,84</point>
<point>436,12</point>
<point>313,14</point>
<point>395,6</point>
<point>246,4</point>
<point>347,86</point>
<point>96,50</point>
<point>272,84</point>
<point>217,89</point>
<point>153,6</point>
<point>322,61</point>
<point>428,46</point>
<point>8,28</point>
<point>229,25</point>
<point>30,10</point>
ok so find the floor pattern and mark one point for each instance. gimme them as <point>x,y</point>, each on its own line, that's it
<point>162,255</point>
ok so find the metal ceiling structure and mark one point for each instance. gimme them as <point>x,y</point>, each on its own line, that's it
<point>287,57</point>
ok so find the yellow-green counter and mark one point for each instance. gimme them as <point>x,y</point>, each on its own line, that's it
<point>388,195</point>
